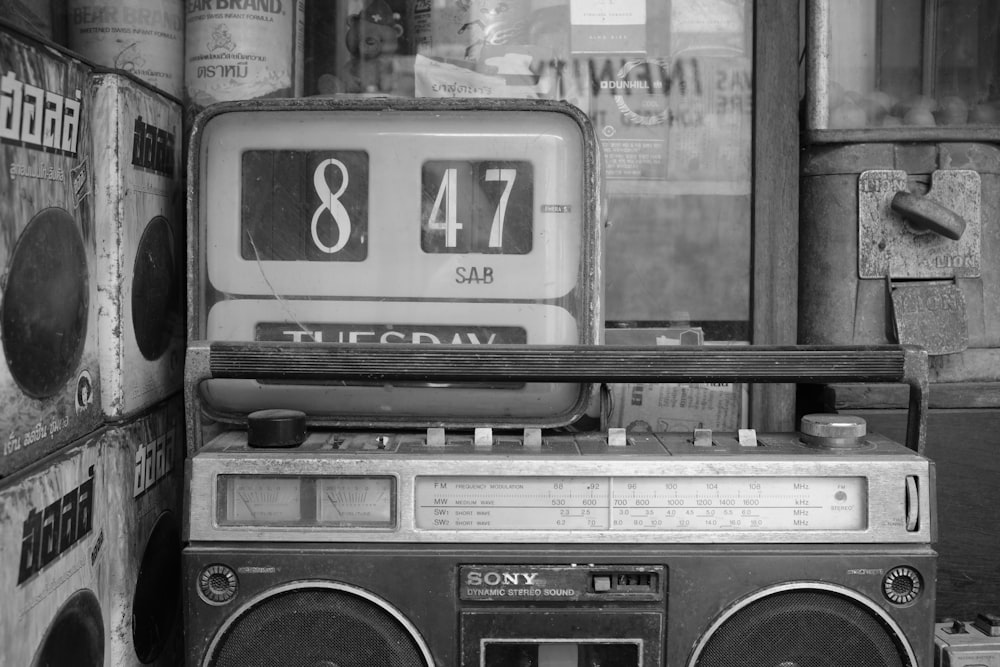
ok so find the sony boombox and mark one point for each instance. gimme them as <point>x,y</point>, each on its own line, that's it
<point>438,547</point>
<point>394,321</point>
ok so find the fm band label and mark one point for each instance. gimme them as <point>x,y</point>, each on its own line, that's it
<point>39,118</point>
<point>50,533</point>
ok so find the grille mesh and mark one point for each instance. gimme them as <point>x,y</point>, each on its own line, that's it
<point>803,629</point>
<point>317,626</point>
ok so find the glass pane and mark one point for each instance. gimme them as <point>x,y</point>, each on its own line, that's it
<point>912,63</point>
<point>667,84</point>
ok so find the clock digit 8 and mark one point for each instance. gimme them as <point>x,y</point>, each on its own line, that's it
<point>383,220</point>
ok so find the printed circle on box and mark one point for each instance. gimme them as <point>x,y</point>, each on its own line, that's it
<point>156,604</point>
<point>76,636</point>
<point>154,288</point>
<point>43,318</point>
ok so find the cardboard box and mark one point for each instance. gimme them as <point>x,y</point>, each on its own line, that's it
<point>53,560</point>
<point>144,462</point>
<point>49,370</point>
<point>139,206</point>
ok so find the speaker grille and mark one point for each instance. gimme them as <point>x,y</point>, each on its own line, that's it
<point>803,628</point>
<point>317,626</point>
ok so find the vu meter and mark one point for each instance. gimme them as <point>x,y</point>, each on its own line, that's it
<point>437,222</point>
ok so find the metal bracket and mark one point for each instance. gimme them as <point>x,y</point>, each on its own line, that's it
<point>900,240</point>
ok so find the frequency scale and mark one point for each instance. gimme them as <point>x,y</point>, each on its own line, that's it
<point>573,487</point>
<point>557,503</point>
<point>445,222</point>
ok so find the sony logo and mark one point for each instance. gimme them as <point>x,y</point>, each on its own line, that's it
<point>490,578</point>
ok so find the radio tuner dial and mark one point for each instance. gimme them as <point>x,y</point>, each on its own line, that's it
<point>276,428</point>
<point>833,431</point>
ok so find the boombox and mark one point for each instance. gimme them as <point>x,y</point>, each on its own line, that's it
<point>53,560</point>
<point>139,201</point>
<point>394,311</point>
<point>143,457</point>
<point>48,314</point>
<point>435,547</point>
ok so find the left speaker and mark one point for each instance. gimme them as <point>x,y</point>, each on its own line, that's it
<point>144,460</point>
<point>53,558</point>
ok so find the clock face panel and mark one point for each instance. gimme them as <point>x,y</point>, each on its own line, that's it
<point>397,221</point>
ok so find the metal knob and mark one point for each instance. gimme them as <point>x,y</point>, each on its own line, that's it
<point>927,214</point>
<point>833,431</point>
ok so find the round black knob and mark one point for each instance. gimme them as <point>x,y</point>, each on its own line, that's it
<point>276,428</point>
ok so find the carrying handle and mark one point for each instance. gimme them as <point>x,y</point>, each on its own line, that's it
<point>927,214</point>
<point>372,362</point>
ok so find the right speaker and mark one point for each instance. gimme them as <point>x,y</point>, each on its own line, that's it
<point>808,624</point>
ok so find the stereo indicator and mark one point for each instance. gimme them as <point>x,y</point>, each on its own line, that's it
<point>641,503</point>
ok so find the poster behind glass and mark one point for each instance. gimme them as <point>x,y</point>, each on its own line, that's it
<point>667,84</point>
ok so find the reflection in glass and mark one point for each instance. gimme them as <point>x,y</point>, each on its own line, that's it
<point>668,88</point>
<point>918,63</point>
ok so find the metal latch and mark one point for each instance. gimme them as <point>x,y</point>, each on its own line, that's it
<point>907,235</point>
<point>920,244</point>
<point>928,313</point>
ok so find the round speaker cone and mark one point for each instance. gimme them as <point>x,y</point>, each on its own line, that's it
<point>312,625</point>
<point>155,302</point>
<point>156,603</point>
<point>45,304</point>
<point>76,636</point>
<point>804,627</point>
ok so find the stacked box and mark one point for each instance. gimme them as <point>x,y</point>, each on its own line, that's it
<point>145,473</point>
<point>139,203</point>
<point>53,561</point>
<point>49,372</point>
